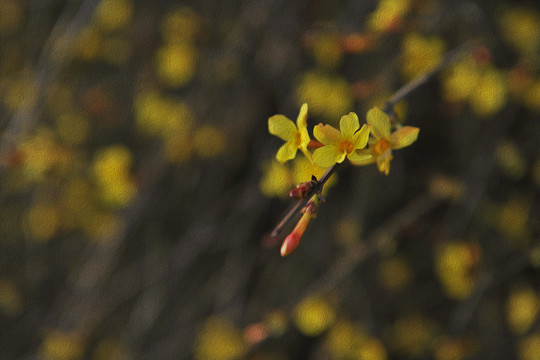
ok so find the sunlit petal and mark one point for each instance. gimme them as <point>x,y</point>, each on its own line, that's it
<point>327,156</point>
<point>404,137</point>
<point>286,152</point>
<point>360,139</point>
<point>380,123</point>
<point>326,134</point>
<point>348,125</point>
<point>304,138</point>
<point>360,159</point>
<point>282,127</point>
<point>301,121</point>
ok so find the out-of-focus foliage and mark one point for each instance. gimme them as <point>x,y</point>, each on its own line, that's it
<point>138,186</point>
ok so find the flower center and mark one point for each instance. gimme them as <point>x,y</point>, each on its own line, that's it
<point>345,146</point>
<point>382,147</point>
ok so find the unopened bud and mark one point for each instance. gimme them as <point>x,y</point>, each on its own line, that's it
<point>290,243</point>
<point>293,239</point>
<point>301,190</point>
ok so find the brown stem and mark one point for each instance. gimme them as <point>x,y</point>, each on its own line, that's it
<point>302,202</point>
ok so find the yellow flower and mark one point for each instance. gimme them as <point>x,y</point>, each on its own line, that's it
<point>342,143</point>
<point>383,141</point>
<point>295,136</point>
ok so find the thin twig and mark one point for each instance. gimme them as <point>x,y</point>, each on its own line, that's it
<point>412,85</point>
<point>302,202</point>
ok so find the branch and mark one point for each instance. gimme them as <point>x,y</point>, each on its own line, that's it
<point>399,95</point>
<point>302,202</point>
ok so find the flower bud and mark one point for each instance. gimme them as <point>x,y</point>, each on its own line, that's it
<point>301,190</point>
<point>293,239</point>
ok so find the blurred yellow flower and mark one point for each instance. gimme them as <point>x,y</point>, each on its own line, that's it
<point>460,80</point>
<point>489,96</point>
<point>529,347</point>
<point>88,44</point>
<point>111,171</point>
<point>521,27</point>
<point>313,315</point>
<point>59,345</point>
<point>383,141</point>
<point>342,143</point>
<point>296,137</point>
<point>175,64</point>
<point>388,15</point>
<point>522,309</point>
<point>114,14</point>
<point>219,339</point>
<point>454,265</point>
<point>345,338</point>
<point>276,180</point>
<point>421,54</point>
<point>328,96</point>
<point>156,114</point>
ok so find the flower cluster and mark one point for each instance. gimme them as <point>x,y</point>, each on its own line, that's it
<point>371,143</point>
<point>361,145</point>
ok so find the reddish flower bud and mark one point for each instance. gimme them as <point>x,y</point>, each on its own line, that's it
<point>293,239</point>
<point>301,190</point>
<point>290,244</point>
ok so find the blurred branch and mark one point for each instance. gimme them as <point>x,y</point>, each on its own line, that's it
<point>411,86</point>
<point>465,311</point>
<point>55,55</point>
<point>302,202</point>
<point>379,238</point>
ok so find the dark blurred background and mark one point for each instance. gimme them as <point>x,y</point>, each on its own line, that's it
<point>138,185</point>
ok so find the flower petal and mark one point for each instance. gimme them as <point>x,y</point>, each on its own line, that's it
<point>282,127</point>
<point>327,156</point>
<point>286,152</point>
<point>301,121</point>
<point>404,137</point>
<point>380,123</point>
<point>360,159</point>
<point>304,139</point>
<point>361,137</point>
<point>326,134</point>
<point>348,125</point>
<point>383,162</point>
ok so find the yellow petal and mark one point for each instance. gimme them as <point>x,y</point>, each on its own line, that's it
<point>404,137</point>
<point>380,123</point>
<point>365,157</point>
<point>286,152</point>
<point>348,125</point>
<point>358,159</point>
<point>383,162</point>
<point>326,134</point>
<point>360,139</point>
<point>304,139</point>
<point>327,156</point>
<point>301,121</point>
<point>282,127</point>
